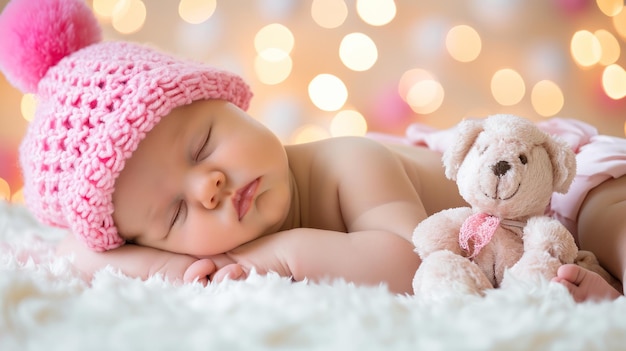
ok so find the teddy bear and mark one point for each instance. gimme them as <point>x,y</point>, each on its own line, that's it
<point>506,169</point>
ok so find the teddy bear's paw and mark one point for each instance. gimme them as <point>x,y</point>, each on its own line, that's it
<point>545,234</point>
<point>534,267</point>
<point>440,231</point>
<point>444,273</point>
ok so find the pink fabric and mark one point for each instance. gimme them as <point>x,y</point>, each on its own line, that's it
<point>604,157</point>
<point>96,102</point>
<point>598,158</point>
<point>477,231</point>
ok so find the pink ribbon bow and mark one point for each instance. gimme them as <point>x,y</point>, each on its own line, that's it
<point>477,231</point>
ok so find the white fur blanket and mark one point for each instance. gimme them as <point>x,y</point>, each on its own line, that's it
<point>45,306</point>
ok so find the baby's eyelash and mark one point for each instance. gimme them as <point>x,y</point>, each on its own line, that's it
<point>202,146</point>
<point>177,214</point>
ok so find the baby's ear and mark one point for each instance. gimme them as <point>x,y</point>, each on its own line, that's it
<point>563,164</point>
<point>467,132</point>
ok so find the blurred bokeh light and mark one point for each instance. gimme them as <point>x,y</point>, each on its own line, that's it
<point>5,190</point>
<point>463,43</point>
<point>329,13</point>
<point>348,122</point>
<point>586,48</point>
<point>196,11</point>
<point>325,68</point>
<point>28,106</point>
<point>376,12</point>
<point>358,52</point>
<point>507,87</point>
<point>614,82</point>
<point>328,92</point>
<point>547,98</point>
<point>128,16</point>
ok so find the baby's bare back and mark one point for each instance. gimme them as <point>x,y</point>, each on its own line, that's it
<point>323,169</point>
<point>426,172</point>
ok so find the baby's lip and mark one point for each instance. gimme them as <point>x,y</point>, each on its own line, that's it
<point>242,200</point>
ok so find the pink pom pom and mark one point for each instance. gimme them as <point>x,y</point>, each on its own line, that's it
<point>36,34</point>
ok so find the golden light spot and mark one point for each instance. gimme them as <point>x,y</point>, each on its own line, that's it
<point>128,16</point>
<point>5,190</point>
<point>463,43</point>
<point>196,11</point>
<point>610,7</point>
<point>328,92</point>
<point>410,78</point>
<point>273,41</point>
<point>614,81</point>
<point>18,197</point>
<point>329,13</point>
<point>610,47</point>
<point>348,122</point>
<point>507,87</point>
<point>585,48</point>
<point>104,8</point>
<point>273,71</point>
<point>619,22</point>
<point>358,52</point>
<point>28,106</point>
<point>547,98</point>
<point>376,12</point>
<point>425,96</point>
<point>309,133</point>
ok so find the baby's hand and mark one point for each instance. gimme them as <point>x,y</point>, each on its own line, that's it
<point>266,254</point>
<point>262,255</point>
<point>215,268</point>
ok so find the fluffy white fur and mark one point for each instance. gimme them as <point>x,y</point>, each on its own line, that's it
<point>45,306</point>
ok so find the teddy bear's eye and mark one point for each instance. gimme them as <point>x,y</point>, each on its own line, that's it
<point>523,159</point>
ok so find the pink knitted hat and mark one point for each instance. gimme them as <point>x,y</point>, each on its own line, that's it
<point>96,102</point>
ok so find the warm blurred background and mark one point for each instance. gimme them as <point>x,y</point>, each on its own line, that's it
<point>321,68</point>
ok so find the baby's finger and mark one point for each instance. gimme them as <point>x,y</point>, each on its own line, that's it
<point>232,271</point>
<point>200,270</point>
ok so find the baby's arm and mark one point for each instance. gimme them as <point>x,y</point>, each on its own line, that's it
<point>364,258</point>
<point>144,262</point>
<point>367,257</point>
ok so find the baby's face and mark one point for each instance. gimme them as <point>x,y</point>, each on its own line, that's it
<point>205,180</point>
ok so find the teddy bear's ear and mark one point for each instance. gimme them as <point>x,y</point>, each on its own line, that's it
<point>467,132</point>
<point>563,164</point>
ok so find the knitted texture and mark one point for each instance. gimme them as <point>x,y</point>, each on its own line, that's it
<point>94,107</point>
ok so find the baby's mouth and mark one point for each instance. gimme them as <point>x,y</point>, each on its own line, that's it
<point>243,198</point>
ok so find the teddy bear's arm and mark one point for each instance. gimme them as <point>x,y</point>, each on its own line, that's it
<point>440,231</point>
<point>547,245</point>
<point>545,234</point>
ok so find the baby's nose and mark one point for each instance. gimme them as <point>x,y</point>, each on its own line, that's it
<point>206,187</point>
<point>500,168</point>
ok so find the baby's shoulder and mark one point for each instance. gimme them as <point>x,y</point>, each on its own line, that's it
<point>339,152</point>
<point>354,153</point>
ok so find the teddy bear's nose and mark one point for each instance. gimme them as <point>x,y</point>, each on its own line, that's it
<point>500,168</point>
